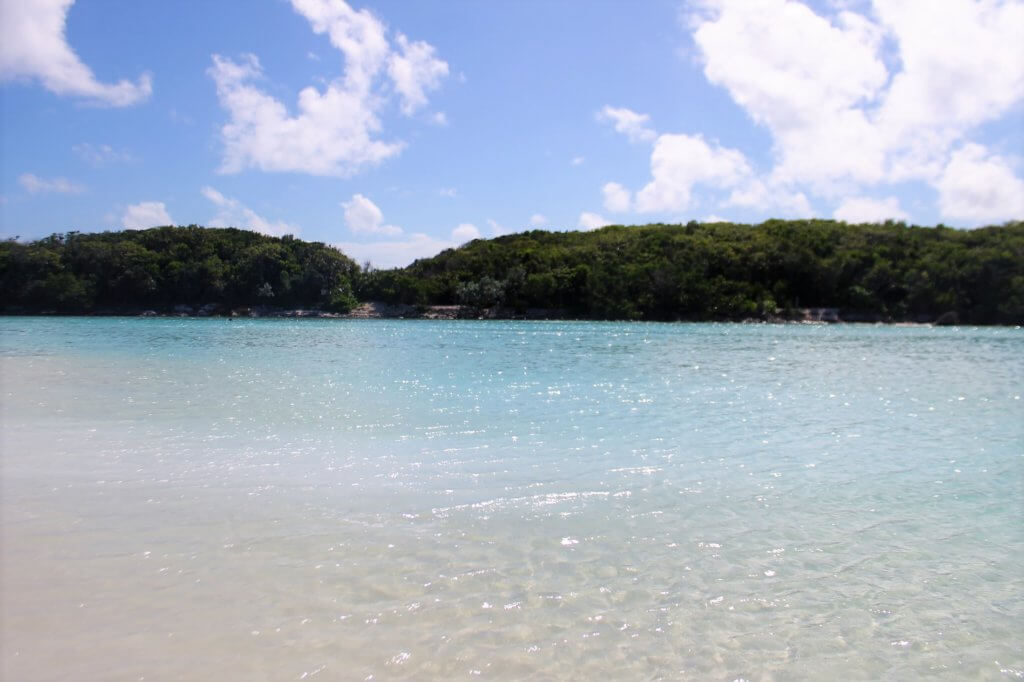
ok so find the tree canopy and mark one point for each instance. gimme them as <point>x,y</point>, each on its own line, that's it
<point>729,271</point>
<point>696,271</point>
<point>165,266</point>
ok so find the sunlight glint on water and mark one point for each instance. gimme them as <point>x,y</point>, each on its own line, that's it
<point>205,499</point>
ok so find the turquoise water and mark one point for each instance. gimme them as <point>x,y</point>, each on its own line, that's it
<point>361,499</point>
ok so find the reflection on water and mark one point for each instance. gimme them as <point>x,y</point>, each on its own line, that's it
<point>192,499</point>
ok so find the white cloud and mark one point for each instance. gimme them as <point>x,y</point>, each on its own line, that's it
<point>591,221</point>
<point>335,131</point>
<point>465,232</point>
<point>979,187</point>
<point>415,71</point>
<point>538,220</point>
<point>331,135</point>
<point>629,123</point>
<point>449,192</point>
<point>961,66</point>
<point>359,35</point>
<point>714,219</point>
<point>852,99</point>
<point>868,210</point>
<point>395,254</point>
<point>33,46</point>
<point>399,253</point>
<point>214,196</point>
<point>679,162</point>
<point>577,161</point>
<point>33,184</point>
<point>497,229</point>
<point>771,196</point>
<point>146,214</point>
<point>99,155</point>
<point>233,213</point>
<point>363,216</point>
<point>616,197</point>
<point>802,77</point>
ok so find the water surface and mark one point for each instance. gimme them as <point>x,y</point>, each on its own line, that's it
<point>360,499</point>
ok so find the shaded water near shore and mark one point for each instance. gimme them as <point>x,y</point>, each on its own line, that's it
<point>341,499</point>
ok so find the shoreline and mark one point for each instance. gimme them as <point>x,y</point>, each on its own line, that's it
<point>377,310</point>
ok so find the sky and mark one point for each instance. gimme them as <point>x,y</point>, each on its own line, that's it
<point>396,129</point>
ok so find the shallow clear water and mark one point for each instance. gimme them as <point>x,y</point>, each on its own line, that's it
<point>203,499</point>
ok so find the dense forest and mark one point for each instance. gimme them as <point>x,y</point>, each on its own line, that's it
<point>168,266</point>
<point>695,271</point>
<point>727,271</point>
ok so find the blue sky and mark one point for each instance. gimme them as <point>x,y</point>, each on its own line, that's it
<point>396,129</point>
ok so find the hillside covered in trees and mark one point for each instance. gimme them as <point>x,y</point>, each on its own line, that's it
<point>167,266</point>
<point>728,271</point>
<point>713,271</point>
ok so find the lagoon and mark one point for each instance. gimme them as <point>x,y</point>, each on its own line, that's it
<point>387,499</point>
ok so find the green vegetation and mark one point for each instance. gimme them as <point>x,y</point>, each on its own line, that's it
<point>728,271</point>
<point>167,266</point>
<point>654,272</point>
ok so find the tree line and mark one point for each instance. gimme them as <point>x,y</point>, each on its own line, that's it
<point>697,271</point>
<point>167,266</point>
<point>723,271</point>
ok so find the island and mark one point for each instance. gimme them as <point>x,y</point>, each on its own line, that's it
<point>778,270</point>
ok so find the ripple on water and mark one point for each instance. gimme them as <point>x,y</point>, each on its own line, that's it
<point>435,500</point>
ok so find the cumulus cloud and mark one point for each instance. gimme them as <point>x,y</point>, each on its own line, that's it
<point>465,232</point>
<point>232,213</point>
<point>679,162</point>
<point>33,46</point>
<point>363,216</point>
<point>979,187</point>
<point>616,197</point>
<point>538,220</point>
<point>868,210</point>
<point>335,131</point>
<point>771,196</point>
<point>961,66</point>
<point>803,78</point>
<point>144,215</point>
<point>631,124</point>
<point>591,221</point>
<point>853,100</point>
<point>396,253</point>
<point>414,71</point>
<point>33,184</point>
<point>359,35</point>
